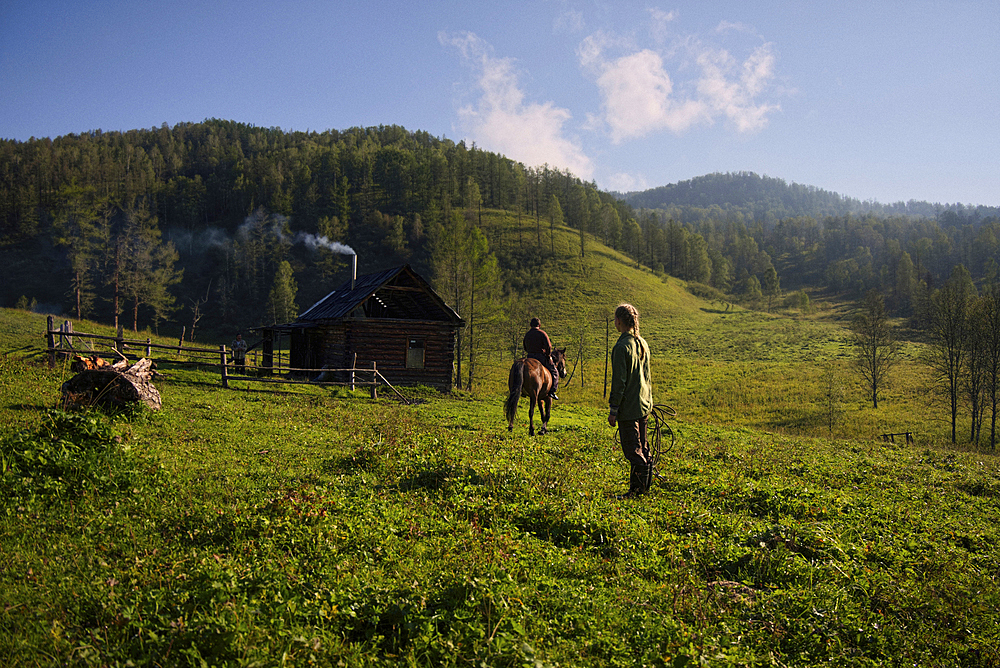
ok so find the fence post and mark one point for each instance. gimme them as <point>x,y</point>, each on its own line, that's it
<point>51,340</point>
<point>67,329</point>
<point>120,341</point>
<point>374,381</point>
<point>149,350</point>
<point>354,365</point>
<point>268,351</point>
<point>225,373</point>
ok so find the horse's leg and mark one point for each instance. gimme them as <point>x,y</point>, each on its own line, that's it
<point>531,415</point>
<point>512,409</point>
<point>545,410</point>
<point>516,385</point>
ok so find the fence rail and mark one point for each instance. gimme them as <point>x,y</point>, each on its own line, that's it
<point>60,342</point>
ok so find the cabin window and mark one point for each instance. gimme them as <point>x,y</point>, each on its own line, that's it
<point>415,354</point>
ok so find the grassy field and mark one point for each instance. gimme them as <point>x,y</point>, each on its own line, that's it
<point>314,526</point>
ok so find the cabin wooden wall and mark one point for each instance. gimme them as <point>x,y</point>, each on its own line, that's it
<point>385,343</point>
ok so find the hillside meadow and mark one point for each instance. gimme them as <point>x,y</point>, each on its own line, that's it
<point>269,525</point>
<point>786,371</point>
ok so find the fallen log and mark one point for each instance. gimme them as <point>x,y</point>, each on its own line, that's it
<point>113,386</point>
<point>81,363</point>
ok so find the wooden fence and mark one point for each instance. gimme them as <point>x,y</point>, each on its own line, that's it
<point>61,343</point>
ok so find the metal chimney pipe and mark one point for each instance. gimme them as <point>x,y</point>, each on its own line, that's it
<point>354,269</point>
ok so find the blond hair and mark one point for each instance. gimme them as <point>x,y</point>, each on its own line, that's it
<point>629,317</point>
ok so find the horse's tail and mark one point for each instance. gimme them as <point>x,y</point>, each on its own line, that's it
<point>514,383</point>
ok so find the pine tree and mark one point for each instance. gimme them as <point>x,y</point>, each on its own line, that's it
<point>555,215</point>
<point>75,229</point>
<point>146,265</point>
<point>281,306</point>
<point>770,285</point>
<point>485,302</point>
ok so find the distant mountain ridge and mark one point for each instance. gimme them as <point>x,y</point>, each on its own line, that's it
<point>768,197</point>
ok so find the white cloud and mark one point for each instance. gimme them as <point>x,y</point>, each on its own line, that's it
<point>658,26</point>
<point>729,26</point>
<point>590,52</point>
<point>639,96</point>
<point>569,21</point>
<point>625,183</point>
<point>500,120</point>
<point>731,88</point>
<point>636,91</point>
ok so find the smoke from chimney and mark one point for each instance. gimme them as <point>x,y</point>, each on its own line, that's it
<point>276,223</point>
<point>314,242</point>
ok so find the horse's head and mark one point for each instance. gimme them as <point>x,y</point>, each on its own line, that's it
<point>559,359</point>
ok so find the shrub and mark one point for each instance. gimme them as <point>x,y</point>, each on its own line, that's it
<point>706,292</point>
<point>69,454</point>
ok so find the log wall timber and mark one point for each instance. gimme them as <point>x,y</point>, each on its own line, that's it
<point>386,342</point>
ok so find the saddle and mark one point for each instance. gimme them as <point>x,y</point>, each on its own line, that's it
<point>546,361</point>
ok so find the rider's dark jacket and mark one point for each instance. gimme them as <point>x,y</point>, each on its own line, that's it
<point>538,345</point>
<point>536,341</point>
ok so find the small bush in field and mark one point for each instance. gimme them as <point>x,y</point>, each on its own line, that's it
<point>69,454</point>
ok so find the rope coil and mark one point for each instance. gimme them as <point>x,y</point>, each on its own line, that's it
<point>659,414</point>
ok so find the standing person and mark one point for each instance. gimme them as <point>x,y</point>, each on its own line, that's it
<point>631,397</point>
<point>538,346</point>
<point>240,354</point>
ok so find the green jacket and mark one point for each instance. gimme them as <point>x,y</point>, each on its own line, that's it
<point>631,395</point>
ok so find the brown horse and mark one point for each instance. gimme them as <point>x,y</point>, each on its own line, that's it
<point>529,378</point>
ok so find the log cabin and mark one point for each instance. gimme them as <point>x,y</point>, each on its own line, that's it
<point>392,317</point>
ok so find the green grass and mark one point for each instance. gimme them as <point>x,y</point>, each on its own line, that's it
<point>307,526</point>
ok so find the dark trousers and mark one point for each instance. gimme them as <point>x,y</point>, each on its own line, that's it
<point>636,450</point>
<point>547,363</point>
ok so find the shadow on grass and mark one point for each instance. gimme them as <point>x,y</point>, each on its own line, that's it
<point>801,423</point>
<point>439,477</point>
<point>566,533</point>
<point>27,407</point>
<point>362,459</point>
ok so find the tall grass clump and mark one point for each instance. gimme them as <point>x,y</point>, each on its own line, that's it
<point>68,456</point>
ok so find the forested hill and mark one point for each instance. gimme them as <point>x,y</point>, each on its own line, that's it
<point>224,219</point>
<point>226,225</point>
<point>762,198</point>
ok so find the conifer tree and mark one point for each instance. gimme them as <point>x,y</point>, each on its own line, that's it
<point>770,285</point>
<point>75,229</point>
<point>146,265</point>
<point>281,306</point>
<point>555,215</point>
<point>485,304</point>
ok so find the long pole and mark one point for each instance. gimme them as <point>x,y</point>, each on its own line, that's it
<point>51,341</point>
<point>607,352</point>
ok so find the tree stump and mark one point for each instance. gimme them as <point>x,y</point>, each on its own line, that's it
<point>115,387</point>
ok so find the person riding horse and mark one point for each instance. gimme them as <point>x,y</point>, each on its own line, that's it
<point>538,346</point>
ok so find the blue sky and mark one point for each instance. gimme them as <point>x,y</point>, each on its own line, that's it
<point>888,101</point>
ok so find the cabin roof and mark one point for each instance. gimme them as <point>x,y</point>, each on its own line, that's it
<point>397,293</point>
